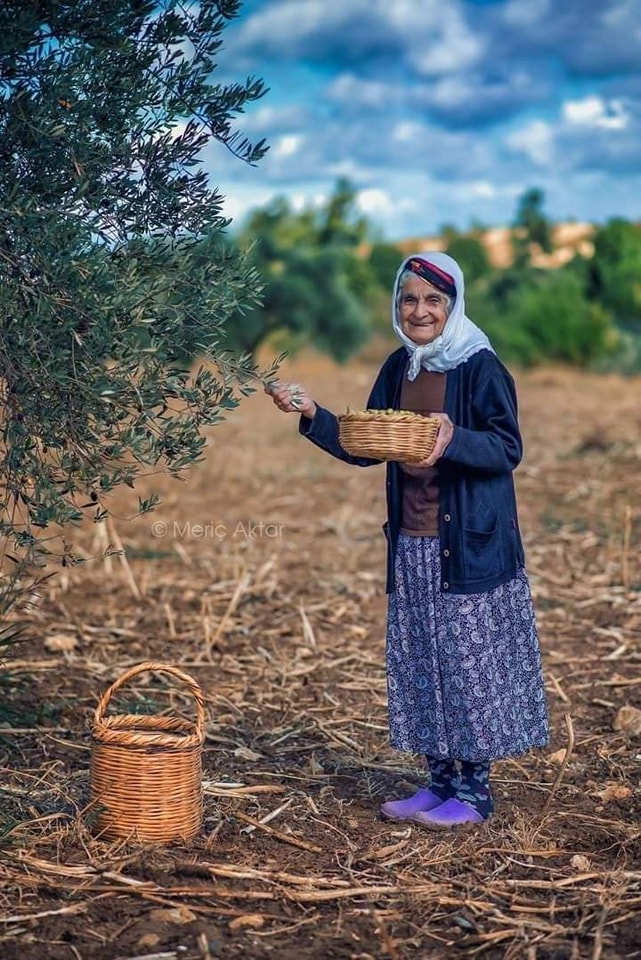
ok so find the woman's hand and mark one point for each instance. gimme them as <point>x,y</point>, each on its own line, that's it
<point>443,437</point>
<point>292,398</point>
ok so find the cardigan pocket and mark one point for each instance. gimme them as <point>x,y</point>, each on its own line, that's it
<point>482,549</point>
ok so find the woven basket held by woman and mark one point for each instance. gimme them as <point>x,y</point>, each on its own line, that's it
<point>463,662</point>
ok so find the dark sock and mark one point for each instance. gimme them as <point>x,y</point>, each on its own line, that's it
<point>474,787</point>
<point>444,776</point>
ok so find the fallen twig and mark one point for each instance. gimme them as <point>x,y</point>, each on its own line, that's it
<point>568,753</point>
<point>279,835</point>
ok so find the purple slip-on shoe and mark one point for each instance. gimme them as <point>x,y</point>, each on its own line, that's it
<point>421,801</point>
<point>449,815</point>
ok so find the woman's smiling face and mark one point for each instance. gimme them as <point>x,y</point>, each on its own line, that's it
<point>422,310</point>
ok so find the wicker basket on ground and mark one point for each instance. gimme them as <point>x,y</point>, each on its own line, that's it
<point>146,771</point>
<point>388,434</point>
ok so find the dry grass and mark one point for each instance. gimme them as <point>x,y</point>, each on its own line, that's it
<point>283,625</point>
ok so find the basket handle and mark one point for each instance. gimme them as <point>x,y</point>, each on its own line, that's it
<point>189,681</point>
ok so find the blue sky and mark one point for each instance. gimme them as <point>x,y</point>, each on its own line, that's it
<point>440,111</point>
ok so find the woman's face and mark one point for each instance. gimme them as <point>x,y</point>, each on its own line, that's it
<point>422,310</point>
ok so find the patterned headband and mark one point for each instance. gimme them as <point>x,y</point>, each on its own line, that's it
<point>433,274</point>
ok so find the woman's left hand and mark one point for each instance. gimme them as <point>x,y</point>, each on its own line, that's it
<point>443,438</point>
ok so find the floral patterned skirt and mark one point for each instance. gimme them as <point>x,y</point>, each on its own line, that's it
<point>463,671</point>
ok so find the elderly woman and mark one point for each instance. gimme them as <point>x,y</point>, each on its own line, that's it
<point>463,662</point>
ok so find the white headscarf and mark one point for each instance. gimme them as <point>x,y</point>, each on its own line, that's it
<point>460,338</point>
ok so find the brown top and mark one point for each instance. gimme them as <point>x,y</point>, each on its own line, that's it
<point>419,517</point>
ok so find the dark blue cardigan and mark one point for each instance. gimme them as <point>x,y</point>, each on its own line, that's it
<point>478,527</point>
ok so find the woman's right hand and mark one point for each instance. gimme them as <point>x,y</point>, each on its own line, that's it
<point>292,398</point>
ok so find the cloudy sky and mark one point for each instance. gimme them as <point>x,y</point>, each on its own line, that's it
<point>440,111</point>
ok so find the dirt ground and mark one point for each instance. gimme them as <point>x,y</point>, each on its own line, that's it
<point>263,576</point>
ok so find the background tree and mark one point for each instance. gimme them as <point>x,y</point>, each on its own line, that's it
<point>542,316</point>
<point>317,284</point>
<point>531,226</point>
<point>448,232</point>
<point>471,255</point>
<point>614,275</point>
<point>110,252</point>
<point>384,260</point>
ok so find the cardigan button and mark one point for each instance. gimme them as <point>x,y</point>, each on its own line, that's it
<point>446,552</point>
<point>446,585</point>
<point>447,518</point>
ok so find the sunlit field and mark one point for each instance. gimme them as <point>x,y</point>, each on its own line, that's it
<point>262,574</point>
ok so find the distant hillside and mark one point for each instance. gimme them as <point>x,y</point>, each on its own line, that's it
<point>568,239</point>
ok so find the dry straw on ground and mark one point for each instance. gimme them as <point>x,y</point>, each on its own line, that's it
<point>267,583</point>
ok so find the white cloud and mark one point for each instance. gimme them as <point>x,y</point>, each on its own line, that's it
<point>589,133</point>
<point>347,89</point>
<point>266,118</point>
<point>375,201</point>
<point>481,188</point>
<point>287,145</point>
<point>407,130</point>
<point>432,37</point>
<point>535,140</point>
<point>593,111</point>
<point>457,100</point>
<point>453,91</point>
<point>289,18</point>
<point>475,96</point>
<point>449,56</point>
<point>526,13</point>
<point>239,201</point>
<point>587,38</point>
<point>438,39</point>
<point>298,202</point>
<point>347,167</point>
<point>421,103</point>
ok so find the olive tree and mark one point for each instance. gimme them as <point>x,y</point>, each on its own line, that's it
<point>111,254</point>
